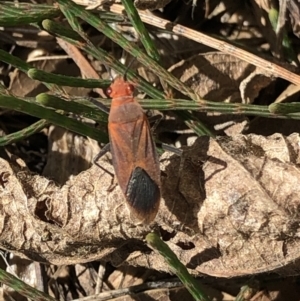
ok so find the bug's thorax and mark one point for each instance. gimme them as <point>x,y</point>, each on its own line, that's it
<point>124,108</point>
<point>120,88</point>
<point>128,111</point>
<point>121,100</point>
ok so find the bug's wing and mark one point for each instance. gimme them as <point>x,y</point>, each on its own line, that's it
<point>136,166</point>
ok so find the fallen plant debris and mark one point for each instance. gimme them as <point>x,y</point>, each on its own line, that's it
<point>87,220</point>
<point>230,204</point>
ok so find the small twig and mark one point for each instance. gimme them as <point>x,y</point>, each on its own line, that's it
<point>101,272</point>
<point>281,17</point>
<point>131,290</point>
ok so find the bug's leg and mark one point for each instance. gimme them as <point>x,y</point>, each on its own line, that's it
<point>99,104</point>
<point>102,152</point>
<point>178,152</point>
<point>173,149</point>
<point>154,121</point>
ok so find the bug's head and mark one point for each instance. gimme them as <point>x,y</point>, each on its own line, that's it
<point>120,88</point>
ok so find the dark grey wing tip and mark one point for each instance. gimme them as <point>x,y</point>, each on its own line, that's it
<point>143,195</point>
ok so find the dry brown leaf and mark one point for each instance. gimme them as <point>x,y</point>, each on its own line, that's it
<point>127,276</point>
<point>234,212</point>
<point>221,77</point>
<point>22,85</point>
<point>69,154</point>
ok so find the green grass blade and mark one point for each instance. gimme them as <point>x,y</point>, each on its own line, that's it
<point>70,81</point>
<point>141,29</point>
<point>25,133</point>
<point>283,111</point>
<point>177,267</point>
<point>71,8</point>
<point>23,288</point>
<point>287,44</point>
<point>24,67</point>
<point>12,16</point>
<point>14,61</point>
<point>195,124</point>
<point>84,109</point>
<point>102,56</point>
<point>29,107</point>
<point>98,54</point>
<point>284,108</point>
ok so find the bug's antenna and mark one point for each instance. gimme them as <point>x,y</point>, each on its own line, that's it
<point>125,73</point>
<point>108,71</point>
<point>110,74</point>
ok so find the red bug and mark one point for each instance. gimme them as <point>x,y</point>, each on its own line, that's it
<point>133,152</point>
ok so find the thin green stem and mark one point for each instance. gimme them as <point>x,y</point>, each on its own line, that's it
<point>101,55</point>
<point>23,288</point>
<point>177,267</point>
<point>84,109</point>
<point>24,133</point>
<point>283,111</point>
<point>285,108</point>
<point>12,16</point>
<point>70,81</point>
<point>69,7</point>
<point>32,108</point>
<point>141,29</point>
<point>24,67</point>
<point>110,61</point>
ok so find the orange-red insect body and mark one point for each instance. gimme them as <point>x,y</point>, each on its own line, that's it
<point>133,152</point>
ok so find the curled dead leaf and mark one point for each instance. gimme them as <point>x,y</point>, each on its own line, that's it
<point>221,77</point>
<point>233,210</point>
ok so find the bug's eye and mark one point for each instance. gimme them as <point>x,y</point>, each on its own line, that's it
<point>130,88</point>
<point>108,91</point>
